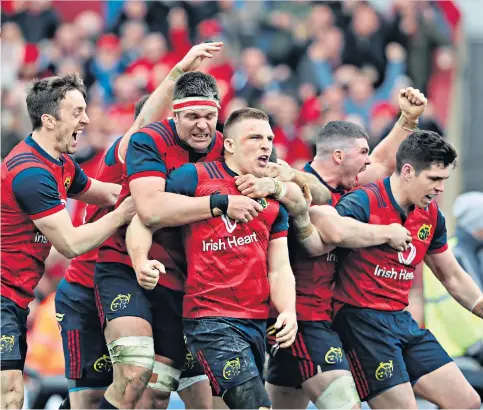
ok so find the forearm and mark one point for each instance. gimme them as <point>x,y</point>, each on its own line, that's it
<point>355,234</point>
<point>308,236</point>
<point>464,290</point>
<point>101,194</point>
<point>293,199</point>
<point>91,235</point>
<point>282,289</point>
<point>320,193</point>
<point>139,239</point>
<point>166,209</point>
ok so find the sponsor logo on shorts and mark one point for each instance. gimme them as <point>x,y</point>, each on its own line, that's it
<point>7,343</point>
<point>103,364</point>
<point>232,369</point>
<point>189,362</point>
<point>384,371</point>
<point>334,355</point>
<point>120,302</point>
<point>424,232</point>
<point>67,182</point>
<point>263,202</point>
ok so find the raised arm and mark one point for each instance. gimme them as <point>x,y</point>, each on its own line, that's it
<point>161,98</point>
<point>383,159</point>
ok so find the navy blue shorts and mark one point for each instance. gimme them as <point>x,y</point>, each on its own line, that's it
<point>386,349</point>
<point>231,351</point>
<point>13,342</point>
<point>120,295</point>
<point>85,352</point>
<point>316,345</point>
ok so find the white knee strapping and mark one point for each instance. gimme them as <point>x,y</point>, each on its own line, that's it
<point>186,382</point>
<point>133,350</point>
<point>165,378</point>
<point>341,394</point>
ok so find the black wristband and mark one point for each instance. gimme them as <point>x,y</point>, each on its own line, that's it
<point>220,202</point>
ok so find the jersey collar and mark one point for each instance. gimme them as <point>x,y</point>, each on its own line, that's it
<point>228,170</point>
<point>31,142</point>
<point>387,186</point>
<point>308,168</point>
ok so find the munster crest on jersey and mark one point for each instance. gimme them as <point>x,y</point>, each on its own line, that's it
<point>263,202</point>
<point>67,182</point>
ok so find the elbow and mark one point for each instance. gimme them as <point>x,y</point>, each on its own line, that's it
<point>334,235</point>
<point>69,251</point>
<point>150,218</point>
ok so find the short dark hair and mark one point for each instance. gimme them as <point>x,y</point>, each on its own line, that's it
<point>44,96</point>
<point>242,114</point>
<point>273,156</point>
<point>335,133</point>
<point>140,104</point>
<point>196,84</point>
<point>423,149</point>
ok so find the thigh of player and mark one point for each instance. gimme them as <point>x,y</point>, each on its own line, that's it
<point>13,342</point>
<point>124,308</point>
<point>231,351</point>
<point>87,362</point>
<point>433,373</point>
<point>373,349</point>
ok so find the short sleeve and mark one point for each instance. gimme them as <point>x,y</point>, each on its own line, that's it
<point>37,193</point>
<point>439,243</point>
<point>280,225</point>
<point>355,205</point>
<point>183,180</point>
<point>143,158</point>
<point>81,182</point>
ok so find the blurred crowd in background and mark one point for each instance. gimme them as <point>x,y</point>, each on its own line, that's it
<point>303,62</point>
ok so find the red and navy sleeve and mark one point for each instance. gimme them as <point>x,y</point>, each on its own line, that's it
<point>439,243</point>
<point>183,180</point>
<point>143,158</point>
<point>355,205</point>
<point>81,182</point>
<point>280,225</point>
<point>37,193</point>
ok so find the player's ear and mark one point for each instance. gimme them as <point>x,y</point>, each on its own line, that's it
<point>176,117</point>
<point>338,156</point>
<point>48,121</point>
<point>229,145</point>
<point>408,171</point>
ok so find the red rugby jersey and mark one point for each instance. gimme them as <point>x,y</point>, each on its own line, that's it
<point>156,150</point>
<point>227,261</point>
<point>380,277</point>
<point>81,268</point>
<point>34,185</point>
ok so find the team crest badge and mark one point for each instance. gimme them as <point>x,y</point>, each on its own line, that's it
<point>334,355</point>
<point>231,369</point>
<point>263,202</point>
<point>103,364</point>
<point>120,302</point>
<point>384,371</point>
<point>7,343</point>
<point>424,232</point>
<point>67,182</point>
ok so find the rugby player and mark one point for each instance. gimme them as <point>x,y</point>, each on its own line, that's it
<point>391,358</point>
<point>87,363</point>
<point>37,178</point>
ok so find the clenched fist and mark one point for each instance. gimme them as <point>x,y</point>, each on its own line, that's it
<point>148,275</point>
<point>412,102</point>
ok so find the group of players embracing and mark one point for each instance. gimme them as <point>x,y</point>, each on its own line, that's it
<point>201,252</point>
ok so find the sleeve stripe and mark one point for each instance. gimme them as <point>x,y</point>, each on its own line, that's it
<point>210,173</point>
<point>168,131</point>
<point>21,161</point>
<point>277,235</point>
<point>375,190</point>
<point>21,156</point>
<point>215,170</point>
<point>158,133</point>
<point>164,133</point>
<point>48,212</point>
<point>144,174</point>
<point>439,250</point>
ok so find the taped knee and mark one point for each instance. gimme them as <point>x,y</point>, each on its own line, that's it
<point>340,394</point>
<point>133,351</point>
<point>164,378</point>
<point>248,395</point>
